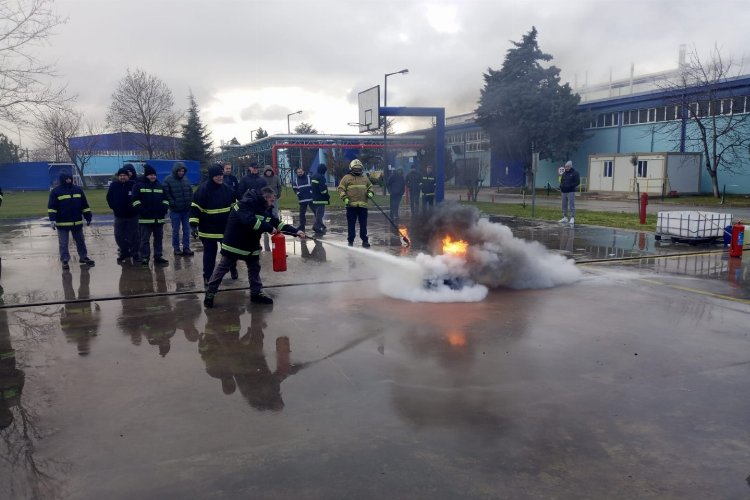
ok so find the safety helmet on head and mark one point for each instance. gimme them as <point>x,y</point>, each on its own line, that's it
<point>356,166</point>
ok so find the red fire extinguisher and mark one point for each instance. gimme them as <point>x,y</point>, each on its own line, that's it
<point>278,252</point>
<point>738,240</point>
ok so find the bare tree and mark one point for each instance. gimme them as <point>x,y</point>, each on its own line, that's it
<point>710,117</point>
<point>142,103</point>
<point>64,133</point>
<point>25,24</point>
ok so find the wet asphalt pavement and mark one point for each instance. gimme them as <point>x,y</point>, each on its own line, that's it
<point>630,383</point>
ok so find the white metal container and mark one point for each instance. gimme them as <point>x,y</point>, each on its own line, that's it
<point>692,224</point>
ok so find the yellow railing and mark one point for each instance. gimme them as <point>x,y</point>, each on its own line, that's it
<point>648,184</point>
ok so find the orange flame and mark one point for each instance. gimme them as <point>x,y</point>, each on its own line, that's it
<point>403,231</point>
<point>451,247</point>
<point>456,339</point>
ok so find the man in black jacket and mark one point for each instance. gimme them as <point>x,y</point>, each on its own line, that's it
<point>179,194</point>
<point>120,200</point>
<point>66,207</point>
<point>151,202</point>
<point>229,179</point>
<point>212,203</point>
<point>396,186</point>
<point>413,180</point>
<point>252,180</point>
<point>428,188</point>
<point>568,184</point>
<point>249,218</point>
<point>320,197</point>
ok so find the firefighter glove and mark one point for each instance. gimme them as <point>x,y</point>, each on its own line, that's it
<point>370,194</point>
<point>346,201</point>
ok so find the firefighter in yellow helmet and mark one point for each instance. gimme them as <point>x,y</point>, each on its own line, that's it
<point>355,189</point>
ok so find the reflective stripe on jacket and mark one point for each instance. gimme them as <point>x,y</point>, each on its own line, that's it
<point>355,188</point>
<point>67,205</point>
<point>210,209</point>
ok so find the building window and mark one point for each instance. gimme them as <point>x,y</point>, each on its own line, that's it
<point>607,169</point>
<point>738,105</point>
<point>661,114</point>
<point>642,116</point>
<point>642,168</point>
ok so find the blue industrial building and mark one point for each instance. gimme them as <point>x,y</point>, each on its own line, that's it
<point>644,138</point>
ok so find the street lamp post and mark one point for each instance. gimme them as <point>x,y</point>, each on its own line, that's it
<point>288,127</point>
<point>385,125</point>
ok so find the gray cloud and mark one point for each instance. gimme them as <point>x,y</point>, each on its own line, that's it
<point>341,47</point>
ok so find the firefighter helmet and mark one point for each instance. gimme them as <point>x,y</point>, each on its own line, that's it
<point>356,167</point>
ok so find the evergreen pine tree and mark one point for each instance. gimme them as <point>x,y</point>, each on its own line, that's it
<point>196,142</point>
<point>524,106</point>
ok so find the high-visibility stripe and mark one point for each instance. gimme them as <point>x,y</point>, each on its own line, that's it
<point>8,355</point>
<point>66,224</point>
<point>147,190</point>
<point>321,202</point>
<point>136,203</point>
<point>147,221</point>
<point>77,195</point>
<point>87,210</point>
<point>192,220</point>
<point>358,186</point>
<point>63,197</point>
<point>51,210</point>
<point>212,236</point>
<point>281,226</point>
<point>213,211</point>
<point>228,248</point>
<point>258,222</point>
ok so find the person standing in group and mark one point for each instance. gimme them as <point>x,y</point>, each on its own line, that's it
<point>120,200</point>
<point>248,219</point>
<point>321,198</point>
<point>396,186</point>
<point>151,202</point>
<point>130,169</point>
<point>274,182</point>
<point>179,193</point>
<point>211,205</point>
<point>568,184</point>
<point>413,181</point>
<point>135,235</point>
<point>355,189</point>
<point>302,187</point>
<point>67,206</point>
<point>229,179</point>
<point>428,188</point>
<point>252,180</point>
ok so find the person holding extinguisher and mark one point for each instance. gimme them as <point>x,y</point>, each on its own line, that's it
<point>248,220</point>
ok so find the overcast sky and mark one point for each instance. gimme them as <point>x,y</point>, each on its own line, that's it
<point>249,63</point>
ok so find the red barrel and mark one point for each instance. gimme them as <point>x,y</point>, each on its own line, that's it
<point>738,240</point>
<point>278,252</point>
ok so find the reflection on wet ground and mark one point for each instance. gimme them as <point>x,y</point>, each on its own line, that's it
<point>619,386</point>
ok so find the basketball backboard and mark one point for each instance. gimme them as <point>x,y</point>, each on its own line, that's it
<point>369,109</point>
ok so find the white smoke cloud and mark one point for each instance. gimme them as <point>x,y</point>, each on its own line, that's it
<point>495,258</point>
<point>501,259</point>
